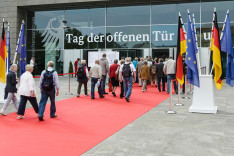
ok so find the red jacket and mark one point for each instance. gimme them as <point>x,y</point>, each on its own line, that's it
<point>113,69</point>
<point>75,64</point>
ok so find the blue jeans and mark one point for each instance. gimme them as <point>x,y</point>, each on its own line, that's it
<point>127,83</point>
<point>169,78</point>
<point>103,83</point>
<point>159,83</point>
<point>44,98</point>
<point>93,83</point>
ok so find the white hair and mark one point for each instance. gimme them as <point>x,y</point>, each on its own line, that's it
<point>83,62</point>
<point>13,66</point>
<point>29,67</point>
<point>127,59</point>
<point>50,64</point>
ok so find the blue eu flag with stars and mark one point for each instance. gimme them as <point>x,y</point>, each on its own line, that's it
<point>191,59</point>
<point>21,49</point>
<point>227,46</point>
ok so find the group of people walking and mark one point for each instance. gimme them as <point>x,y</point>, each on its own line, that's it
<point>49,87</point>
<point>124,73</point>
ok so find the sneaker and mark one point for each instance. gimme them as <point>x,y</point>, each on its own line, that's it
<point>2,113</point>
<point>102,96</point>
<point>127,99</point>
<point>55,116</point>
<point>114,94</point>
<point>87,95</point>
<point>92,98</point>
<point>78,95</point>
<point>40,118</point>
<point>105,93</point>
<point>20,117</point>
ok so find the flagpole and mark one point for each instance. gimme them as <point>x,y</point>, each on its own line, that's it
<point>211,43</point>
<point>198,52</point>
<point>18,42</point>
<point>182,24</point>
<point>224,25</point>
<point>8,29</point>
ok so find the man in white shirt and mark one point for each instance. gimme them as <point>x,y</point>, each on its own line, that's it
<point>127,71</point>
<point>169,69</point>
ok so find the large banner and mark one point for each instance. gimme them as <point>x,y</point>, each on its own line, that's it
<point>97,55</point>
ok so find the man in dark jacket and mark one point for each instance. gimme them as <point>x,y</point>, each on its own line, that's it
<point>160,75</point>
<point>10,90</point>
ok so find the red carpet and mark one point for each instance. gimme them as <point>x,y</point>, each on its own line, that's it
<point>82,124</point>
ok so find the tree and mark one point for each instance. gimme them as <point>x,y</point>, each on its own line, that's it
<point>70,69</point>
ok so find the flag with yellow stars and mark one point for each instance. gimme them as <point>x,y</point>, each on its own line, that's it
<point>21,49</point>
<point>190,59</point>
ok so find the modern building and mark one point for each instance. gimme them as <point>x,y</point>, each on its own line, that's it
<point>62,30</point>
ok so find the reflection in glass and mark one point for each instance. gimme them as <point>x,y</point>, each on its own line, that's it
<point>221,9</point>
<point>85,17</point>
<point>129,15</point>
<point>45,19</point>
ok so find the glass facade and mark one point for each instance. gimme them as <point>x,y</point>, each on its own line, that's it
<point>134,31</point>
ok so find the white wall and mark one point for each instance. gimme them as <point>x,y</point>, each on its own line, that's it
<point>71,55</point>
<point>204,58</point>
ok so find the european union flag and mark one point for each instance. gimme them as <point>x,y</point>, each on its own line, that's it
<point>191,59</point>
<point>227,46</point>
<point>21,49</point>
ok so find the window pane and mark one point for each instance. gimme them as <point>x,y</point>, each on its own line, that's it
<point>221,9</point>
<point>43,19</point>
<point>132,15</point>
<point>168,13</point>
<point>128,37</point>
<point>86,17</point>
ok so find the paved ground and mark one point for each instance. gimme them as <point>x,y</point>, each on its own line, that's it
<point>181,134</point>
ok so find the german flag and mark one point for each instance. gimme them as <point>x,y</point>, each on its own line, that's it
<point>181,49</point>
<point>216,56</point>
<point>3,55</point>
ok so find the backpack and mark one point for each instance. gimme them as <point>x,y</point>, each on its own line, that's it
<point>126,71</point>
<point>153,69</point>
<point>81,72</point>
<point>48,81</point>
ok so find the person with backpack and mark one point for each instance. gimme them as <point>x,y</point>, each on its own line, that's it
<point>127,76</point>
<point>27,92</point>
<point>145,75</point>
<point>160,75</point>
<point>49,85</point>
<point>82,78</point>
<point>153,76</point>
